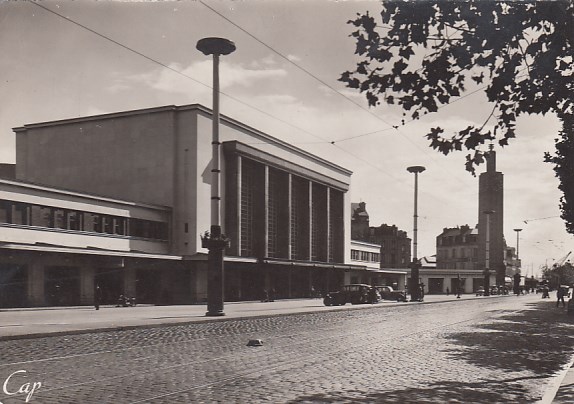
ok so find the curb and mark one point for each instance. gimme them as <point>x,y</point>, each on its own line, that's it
<point>212,319</point>
<point>554,387</point>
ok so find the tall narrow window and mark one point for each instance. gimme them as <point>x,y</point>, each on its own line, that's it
<point>332,239</point>
<point>247,200</point>
<point>21,213</point>
<point>295,216</point>
<point>315,212</point>
<point>5,210</point>
<point>42,216</point>
<point>60,220</point>
<point>75,220</point>
<point>336,226</point>
<point>319,222</point>
<point>272,213</point>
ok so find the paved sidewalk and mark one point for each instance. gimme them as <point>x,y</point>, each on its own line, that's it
<point>562,393</point>
<point>35,322</point>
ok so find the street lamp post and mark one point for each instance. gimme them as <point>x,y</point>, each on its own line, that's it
<point>414,284</point>
<point>487,256</point>
<point>517,246</point>
<point>215,241</point>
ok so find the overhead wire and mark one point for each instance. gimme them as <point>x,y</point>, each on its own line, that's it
<point>235,98</point>
<point>193,79</point>
<point>172,69</point>
<point>391,126</point>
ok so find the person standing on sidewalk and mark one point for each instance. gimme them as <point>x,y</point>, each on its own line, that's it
<point>560,296</point>
<point>97,297</point>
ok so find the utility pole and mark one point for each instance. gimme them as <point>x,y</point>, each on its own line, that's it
<point>415,265</point>
<point>215,241</point>
<point>487,257</point>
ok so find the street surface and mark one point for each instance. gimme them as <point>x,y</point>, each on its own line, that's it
<point>501,349</point>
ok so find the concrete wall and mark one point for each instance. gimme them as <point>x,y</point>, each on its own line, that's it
<point>186,180</point>
<point>128,156</point>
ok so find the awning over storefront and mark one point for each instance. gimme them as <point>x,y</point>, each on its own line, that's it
<point>314,264</point>
<point>388,271</point>
<point>464,273</point>
<point>87,251</point>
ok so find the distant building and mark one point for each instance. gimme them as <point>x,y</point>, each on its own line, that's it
<point>368,255</point>
<point>395,246</point>
<point>457,248</point>
<point>428,262</point>
<point>455,262</point>
<point>491,199</point>
<point>461,250</point>
<point>511,261</point>
<point>359,222</point>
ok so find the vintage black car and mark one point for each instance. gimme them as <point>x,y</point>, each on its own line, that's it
<point>388,293</point>
<point>355,294</point>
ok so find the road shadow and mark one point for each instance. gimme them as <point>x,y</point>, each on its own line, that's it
<point>565,394</point>
<point>489,391</point>
<point>539,339</point>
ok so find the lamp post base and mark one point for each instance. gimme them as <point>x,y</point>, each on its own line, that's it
<point>486,282</point>
<point>215,314</point>
<point>216,243</point>
<point>415,286</point>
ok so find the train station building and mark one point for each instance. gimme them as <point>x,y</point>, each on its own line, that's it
<point>121,200</point>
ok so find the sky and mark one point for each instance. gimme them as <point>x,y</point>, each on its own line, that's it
<point>63,59</point>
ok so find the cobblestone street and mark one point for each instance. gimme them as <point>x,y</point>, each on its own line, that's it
<point>504,349</point>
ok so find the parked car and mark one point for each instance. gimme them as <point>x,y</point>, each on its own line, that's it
<point>480,291</point>
<point>355,294</point>
<point>388,293</point>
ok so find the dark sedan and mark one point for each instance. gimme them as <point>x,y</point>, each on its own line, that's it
<point>354,294</point>
<point>388,293</point>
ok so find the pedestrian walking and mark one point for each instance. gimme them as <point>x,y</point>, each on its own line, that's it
<point>373,295</point>
<point>97,297</point>
<point>265,296</point>
<point>447,291</point>
<point>560,296</point>
<point>421,292</point>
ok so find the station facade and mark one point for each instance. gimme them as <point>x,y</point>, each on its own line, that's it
<point>121,200</point>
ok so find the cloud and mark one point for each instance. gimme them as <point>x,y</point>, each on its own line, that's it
<point>263,62</point>
<point>179,79</point>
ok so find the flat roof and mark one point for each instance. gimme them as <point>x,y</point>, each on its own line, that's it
<point>198,107</point>
<point>98,251</point>
<point>40,187</point>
